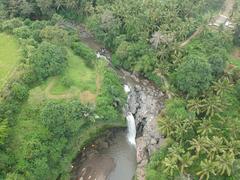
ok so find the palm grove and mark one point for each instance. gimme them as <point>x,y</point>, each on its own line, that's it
<point>200,121</point>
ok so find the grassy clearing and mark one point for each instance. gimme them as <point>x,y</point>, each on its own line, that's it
<point>9,56</point>
<point>82,77</point>
<point>85,82</point>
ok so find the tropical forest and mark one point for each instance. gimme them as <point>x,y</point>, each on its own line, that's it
<point>119,89</point>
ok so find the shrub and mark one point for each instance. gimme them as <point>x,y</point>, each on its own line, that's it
<point>55,35</point>
<point>48,60</point>
<point>9,25</point>
<point>22,32</point>
<point>193,76</point>
<point>218,64</point>
<point>66,81</point>
<point>19,92</point>
<point>237,87</point>
<point>85,52</point>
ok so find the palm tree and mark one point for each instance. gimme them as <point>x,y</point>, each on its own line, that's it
<point>170,165</point>
<point>225,163</point>
<point>208,168</point>
<point>233,146</point>
<point>199,144</point>
<point>158,38</point>
<point>212,105</point>
<point>166,126</point>
<point>206,127</point>
<point>222,86</point>
<point>186,161</point>
<point>233,126</point>
<point>176,151</point>
<point>195,105</point>
<point>215,147</point>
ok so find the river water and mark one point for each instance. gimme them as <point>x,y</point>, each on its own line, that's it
<point>118,160</point>
<point>124,155</point>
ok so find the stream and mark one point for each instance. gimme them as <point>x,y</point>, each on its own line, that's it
<point>122,154</point>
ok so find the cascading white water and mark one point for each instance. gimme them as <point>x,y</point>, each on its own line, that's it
<point>127,89</point>
<point>131,129</point>
<point>130,122</point>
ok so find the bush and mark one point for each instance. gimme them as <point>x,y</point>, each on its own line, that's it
<point>237,87</point>
<point>193,76</point>
<point>85,52</point>
<point>48,60</point>
<point>9,25</point>
<point>111,99</point>
<point>19,92</point>
<point>22,32</point>
<point>55,35</point>
<point>218,63</point>
<point>66,81</point>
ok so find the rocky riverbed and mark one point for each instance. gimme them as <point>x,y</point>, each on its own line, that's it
<point>145,102</point>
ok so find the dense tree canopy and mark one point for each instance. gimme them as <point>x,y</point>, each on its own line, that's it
<point>48,60</point>
<point>200,122</point>
<point>193,76</point>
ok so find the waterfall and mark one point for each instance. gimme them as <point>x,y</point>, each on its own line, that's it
<point>130,122</point>
<point>127,89</point>
<point>131,129</point>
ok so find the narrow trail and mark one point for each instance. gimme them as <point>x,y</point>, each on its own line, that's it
<point>196,33</point>
<point>226,13</point>
<point>228,8</point>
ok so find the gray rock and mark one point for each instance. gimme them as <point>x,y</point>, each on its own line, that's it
<point>145,102</point>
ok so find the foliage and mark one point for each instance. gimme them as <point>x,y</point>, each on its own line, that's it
<point>11,24</point>
<point>55,35</point>
<point>193,76</point>
<point>111,98</point>
<point>236,38</point>
<point>48,60</point>
<point>41,8</point>
<point>85,52</point>
<point>66,81</point>
<point>218,63</point>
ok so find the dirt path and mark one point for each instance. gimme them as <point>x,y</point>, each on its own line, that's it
<point>196,33</point>
<point>228,8</point>
<point>225,13</point>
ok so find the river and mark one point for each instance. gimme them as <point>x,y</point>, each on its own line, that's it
<point>123,153</point>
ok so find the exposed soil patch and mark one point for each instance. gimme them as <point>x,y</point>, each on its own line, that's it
<point>87,97</point>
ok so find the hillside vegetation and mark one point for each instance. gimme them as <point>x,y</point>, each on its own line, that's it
<point>201,120</point>
<point>57,101</point>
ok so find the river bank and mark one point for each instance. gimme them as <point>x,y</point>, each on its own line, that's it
<point>144,103</point>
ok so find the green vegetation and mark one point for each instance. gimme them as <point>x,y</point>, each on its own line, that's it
<point>202,125</point>
<point>42,132</point>
<point>39,137</point>
<point>78,75</point>
<point>77,81</point>
<point>10,56</point>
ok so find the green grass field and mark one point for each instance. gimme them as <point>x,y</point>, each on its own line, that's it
<point>85,82</point>
<point>82,77</point>
<point>9,56</point>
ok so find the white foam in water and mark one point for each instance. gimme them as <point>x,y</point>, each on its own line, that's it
<point>131,129</point>
<point>126,88</point>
